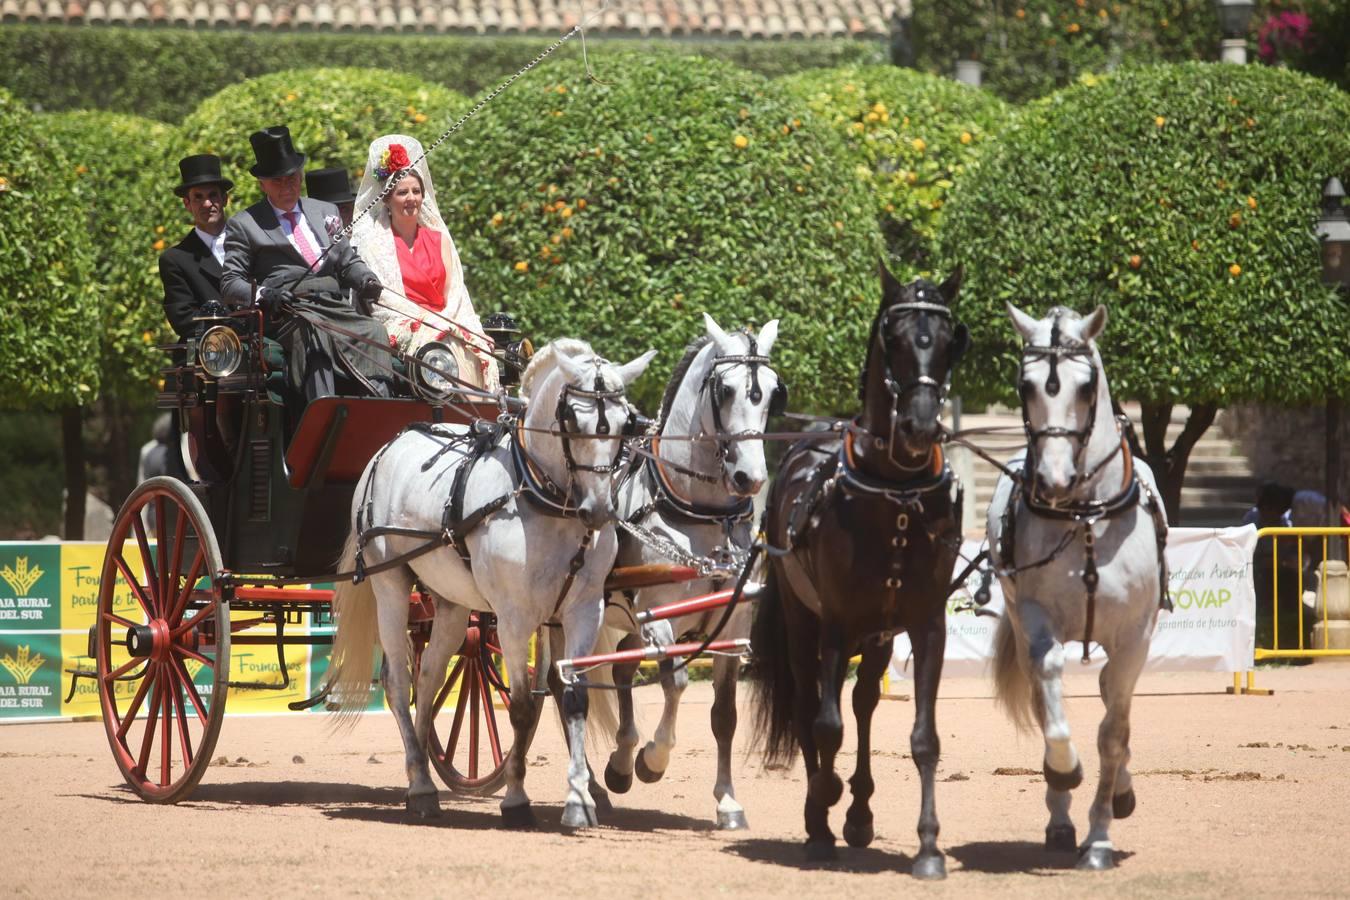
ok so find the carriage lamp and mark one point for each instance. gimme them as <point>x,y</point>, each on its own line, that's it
<point>511,350</point>
<point>1235,18</point>
<point>219,351</point>
<point>1333,232</point>
<point>437,362</point>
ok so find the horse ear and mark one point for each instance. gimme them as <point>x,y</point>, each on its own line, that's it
<point>1025,324</point>
<point>952,286</point>
<point>890,287</point>
<point>960,343</point>
<point>767,335</point>
<point>573,369</point>
<point>1095,324</point>
<point>717,334</point>
<point>632,371</point>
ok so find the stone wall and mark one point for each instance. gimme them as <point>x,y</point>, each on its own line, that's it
<point>1287,444</point>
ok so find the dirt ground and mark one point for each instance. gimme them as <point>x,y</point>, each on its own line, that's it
<point>1238,797</point>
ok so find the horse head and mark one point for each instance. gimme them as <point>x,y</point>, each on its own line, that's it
<point>739,392</point>
<point>1062,390</point>
<point>582,402</point>
<point>915,345</point>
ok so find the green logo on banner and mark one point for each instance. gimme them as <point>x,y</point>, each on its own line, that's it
<point>30,587</point>
<point>30,674</point>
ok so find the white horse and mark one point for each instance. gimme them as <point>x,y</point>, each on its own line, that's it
<point>1077,540</point>
<point>551,514</point>
<point>698,496</point>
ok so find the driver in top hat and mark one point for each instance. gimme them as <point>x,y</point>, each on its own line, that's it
<point>191,269</point>
<point>280,255</point>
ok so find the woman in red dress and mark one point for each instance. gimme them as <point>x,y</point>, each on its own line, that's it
<point>406,243</point>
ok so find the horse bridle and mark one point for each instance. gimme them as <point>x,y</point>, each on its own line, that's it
<point>897,389</point>
<point>716,389</point>
<point>1055,352</point>
<point>566,413</point>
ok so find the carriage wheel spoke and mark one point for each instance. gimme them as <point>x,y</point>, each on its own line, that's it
<point>161,557</point>
<point>146,681</point>
<point>180,605</point>
<point>114,617</point>
<point>471,683</point>
<point>134,583</point>
<point>190,623</point>
<point>490,719</point>
<point>193,654</point>
<point>117,673</point>
<point>148,739</point>
<point>175,568</point>
<point>184,736</point>
<point>461,703</point>
<point>147,565</point>
<point>447,687</point>
<point>166,745</point>
<point>190,688</point>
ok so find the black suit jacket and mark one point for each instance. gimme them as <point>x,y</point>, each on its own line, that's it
<point>191,277</point>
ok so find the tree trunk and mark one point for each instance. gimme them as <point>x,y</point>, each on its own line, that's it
<point>121,457</point>
<point>77,481</point>
<point>1169,464</point>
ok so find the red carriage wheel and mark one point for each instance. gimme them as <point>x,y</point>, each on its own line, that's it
<point>471,711</point>
<point>162,658</point>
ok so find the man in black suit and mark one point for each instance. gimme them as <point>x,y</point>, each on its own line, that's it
<point>191,269</point>
<point>280,256</point>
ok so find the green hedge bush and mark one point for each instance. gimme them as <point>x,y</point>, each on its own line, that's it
<point>619,210</point>
<point>49,345</point>
<point>333,115</point>
<point>1032,47</point>
<point>1182,197</point>
<point>164,73</point>
<point>119,159</point>
<point>911,136</point>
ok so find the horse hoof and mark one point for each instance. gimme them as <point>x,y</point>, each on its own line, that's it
<point>617,781</point>
<point>1061,838</point>
<point>1063,781</point>
<point>601,799</point>
<point>1123,804</point>
<point>733,820</point>
<point>930,868</point>
<point>518,816</point>
<point>1096,859</point>
<point>858,834</point>
<point>579,815</point>
<point>821,851</point>
<point>644,774</point>
<point>423,806</point>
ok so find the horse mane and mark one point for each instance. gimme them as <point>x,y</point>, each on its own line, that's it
<point>691,350</point>
<point>546,360</point>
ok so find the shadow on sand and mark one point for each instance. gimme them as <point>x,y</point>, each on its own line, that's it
<point>1009,857</point>
<point>484,814</point>
<point>792,854</point>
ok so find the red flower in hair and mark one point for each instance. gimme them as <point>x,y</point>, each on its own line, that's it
<point>394,157</point>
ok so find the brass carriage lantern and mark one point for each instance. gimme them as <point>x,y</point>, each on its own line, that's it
<point>1333,232</point>
<point>1235,18</point>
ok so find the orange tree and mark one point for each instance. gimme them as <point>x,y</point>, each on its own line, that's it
<point>620,208</point>
<point>1183,198</point>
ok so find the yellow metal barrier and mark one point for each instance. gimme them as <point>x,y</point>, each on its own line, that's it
<point>1280,541</point>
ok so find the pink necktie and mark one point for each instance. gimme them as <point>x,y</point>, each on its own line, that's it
<point>301,242</point>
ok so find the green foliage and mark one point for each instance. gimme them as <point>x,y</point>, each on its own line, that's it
<point>619,210</point>
<point>911,136</point>
<point>163,74</point>
<point>30,475</point>
<point>1140,191</point>
<point>49,342</point>
<point>119,160</point>
<point>1032,47</point>
<point>1327,52</point>
<point>333,115</point>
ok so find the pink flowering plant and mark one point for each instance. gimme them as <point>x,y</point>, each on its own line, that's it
<point>1285,37</point>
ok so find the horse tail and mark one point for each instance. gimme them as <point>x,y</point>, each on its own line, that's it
<point>602,708</point>
<point>1012,688</point>
<point>771,672</point>
<point>353,656</point>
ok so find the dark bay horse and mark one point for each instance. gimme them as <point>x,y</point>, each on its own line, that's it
<point>871,527</point>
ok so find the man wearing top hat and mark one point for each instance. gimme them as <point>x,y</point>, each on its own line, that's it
<point>191,269</point>
<point>335,187</point>
<point>280,255</point>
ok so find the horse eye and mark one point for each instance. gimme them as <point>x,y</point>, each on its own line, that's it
<point>1085,391</point>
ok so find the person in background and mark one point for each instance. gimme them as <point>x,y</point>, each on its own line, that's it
<point>191,270</point>
<point>333,186</point>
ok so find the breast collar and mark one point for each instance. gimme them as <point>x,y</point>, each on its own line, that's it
<point>1087,510</point>
<point>936,477</point>
<point>670,502</point>
<point>534,485</point>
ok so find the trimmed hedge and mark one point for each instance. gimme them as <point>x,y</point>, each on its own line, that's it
<point>333,115</point>
<point>1032,47</point>
<point>911,136</point>
<point>119,161</point>
<point>619,210</point>
<point>49,345</point>
<point>1182,197</point>
<point>163,74</point>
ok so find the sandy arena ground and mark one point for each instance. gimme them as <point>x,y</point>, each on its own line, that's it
<point>1238,797</point>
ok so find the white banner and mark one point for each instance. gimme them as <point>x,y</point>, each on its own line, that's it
<point>1212,626</point>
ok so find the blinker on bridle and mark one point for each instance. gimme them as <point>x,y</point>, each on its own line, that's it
<point>1054,352</point>
<point>566,413</point>
<point>713,385</point>
<point>898,390</point>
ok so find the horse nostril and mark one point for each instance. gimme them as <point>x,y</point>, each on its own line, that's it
<point>742,480</point>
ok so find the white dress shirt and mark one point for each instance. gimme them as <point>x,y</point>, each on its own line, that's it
<point>214,242</point>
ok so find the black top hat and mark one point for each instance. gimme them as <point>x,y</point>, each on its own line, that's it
<point>275,153</point>
<point>201,169</point>
<point>331,185</point>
